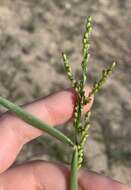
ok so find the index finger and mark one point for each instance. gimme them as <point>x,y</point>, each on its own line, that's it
<point>53,110</point>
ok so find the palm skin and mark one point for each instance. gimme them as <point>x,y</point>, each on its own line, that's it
<point>39,175</point>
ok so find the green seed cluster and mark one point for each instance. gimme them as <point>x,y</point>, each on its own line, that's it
<point>84,134</point>
<point>98,85</point>
<point>85,52</point>
<point>105,74</point>
<point>68,70</point>
<point>86,43</point>
<point>82,123</point>
<point>80,126</point>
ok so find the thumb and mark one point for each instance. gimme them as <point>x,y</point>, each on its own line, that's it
<point>41,175</point>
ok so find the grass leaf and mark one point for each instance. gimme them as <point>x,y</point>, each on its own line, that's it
<point>32,120</point>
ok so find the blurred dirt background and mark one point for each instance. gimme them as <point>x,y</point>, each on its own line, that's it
<point>33,33</point>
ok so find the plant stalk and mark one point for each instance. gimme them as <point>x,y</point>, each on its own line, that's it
<point>32,120</point>
<point>74,168</point>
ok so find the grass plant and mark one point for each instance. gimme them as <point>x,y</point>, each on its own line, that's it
<point>81,122</point>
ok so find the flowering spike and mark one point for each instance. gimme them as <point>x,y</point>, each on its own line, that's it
<point>86,44</point>
<point>105,74</point>
<point>82,123</point>
<point>85,50</point>
<point>99,84</point>
<point>69,70</point>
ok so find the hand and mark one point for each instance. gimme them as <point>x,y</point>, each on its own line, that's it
<point>39,175</point>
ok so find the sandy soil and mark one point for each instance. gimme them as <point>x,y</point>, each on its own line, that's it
<point>32,36</point>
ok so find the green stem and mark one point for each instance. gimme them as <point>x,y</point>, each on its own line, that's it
<point>74,168</point>
<point>30,119</point>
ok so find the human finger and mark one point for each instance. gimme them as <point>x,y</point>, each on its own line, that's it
<point>53,110</point>
<point>41,175</point>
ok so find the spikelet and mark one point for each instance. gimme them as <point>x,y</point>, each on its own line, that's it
<point>85,49</point>
<point>99,84</point>
<point>68,70</point>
